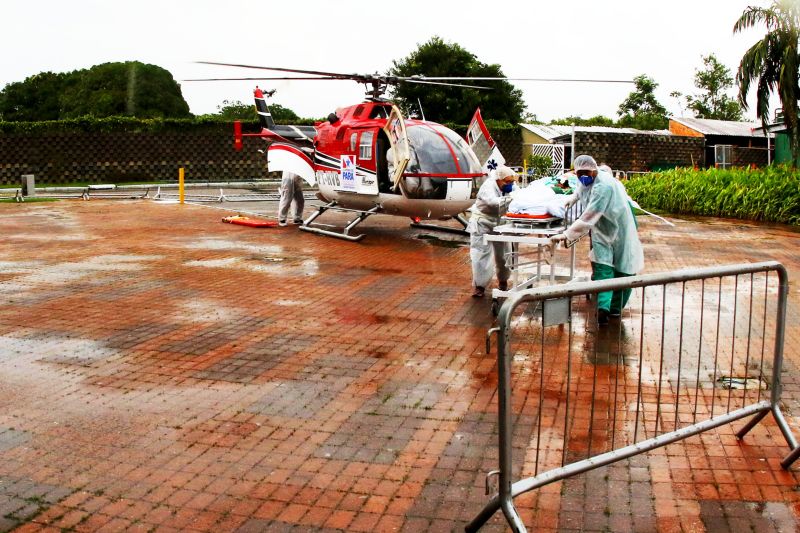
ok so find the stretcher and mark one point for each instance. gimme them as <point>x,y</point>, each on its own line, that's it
<point>532,258</point>
<point>250,222</point>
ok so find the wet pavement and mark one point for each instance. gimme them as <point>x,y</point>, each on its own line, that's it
<point>163,371</point>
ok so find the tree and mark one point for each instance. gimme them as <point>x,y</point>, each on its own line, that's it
<point>773,62</point>
<point>36,98</point>
<point>238,110</point>
<point>713,103</point>
<point>235,110</point>
<point>597,120</point>
<point>282,114</point>
<point>539,164</point>
<point>454,104</point>
<point>641,109</point>
<point>530,118</point>
<point>131,88</point>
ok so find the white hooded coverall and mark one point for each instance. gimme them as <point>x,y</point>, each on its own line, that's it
<point>490,204</point>
<point>291,189</point>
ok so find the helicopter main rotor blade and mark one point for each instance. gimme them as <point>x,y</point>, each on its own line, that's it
<point>336,75</point>
<point>426,82</point>
<point>269,78</point>
<point>466,78</point>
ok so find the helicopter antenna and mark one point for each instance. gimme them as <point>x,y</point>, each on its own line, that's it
<point>422,112</point>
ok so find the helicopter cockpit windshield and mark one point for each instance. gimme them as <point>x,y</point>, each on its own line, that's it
<point>436,154</point>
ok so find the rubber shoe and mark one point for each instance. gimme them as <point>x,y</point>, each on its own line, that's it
<point>602,317</point>
<point>298,221</point>
<point>503,285</point>
<point>479,292</point>
<point>282,222</point>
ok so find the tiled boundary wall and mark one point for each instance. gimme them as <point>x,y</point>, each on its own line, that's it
<point>140,156</point>
<point>128,156</point>
<point>638,152</point>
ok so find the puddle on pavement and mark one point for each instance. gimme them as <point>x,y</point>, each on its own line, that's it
<point>61,273</point>
<point>18,267</point>
<point>20,352</point>
<point>50,237</point>
<point>262,263</point>
<point>290,303</point>
<point>206,311</point>
<point>437,241</point>
<point>227,244</point>
<point>747,516</point>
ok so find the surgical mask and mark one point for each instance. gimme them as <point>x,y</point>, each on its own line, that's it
<point>507,188</point>
<point>586,180</point>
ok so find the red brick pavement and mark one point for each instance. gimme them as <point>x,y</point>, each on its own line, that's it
<point>162,371</point>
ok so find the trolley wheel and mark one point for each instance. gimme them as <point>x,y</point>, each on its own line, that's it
<point>495,306</point>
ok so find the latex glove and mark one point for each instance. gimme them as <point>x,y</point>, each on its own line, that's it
<point>557,238</point>
<point>573,199</point>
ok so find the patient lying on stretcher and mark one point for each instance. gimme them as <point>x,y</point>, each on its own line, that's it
<point>540,199</point>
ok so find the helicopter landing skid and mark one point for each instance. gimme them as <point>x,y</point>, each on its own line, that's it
<point>460,231</point>
<point>345,233</point>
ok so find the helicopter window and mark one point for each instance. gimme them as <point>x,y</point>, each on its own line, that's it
<point>380,111</point>
<point>365,145</point>
<point>467,159</point>
<point>429,152</point>
<point>358,111</point>
<point>353,137</point>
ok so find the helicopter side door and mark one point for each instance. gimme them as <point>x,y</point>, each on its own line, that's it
<point>395,129</point>
<point>482,143</point>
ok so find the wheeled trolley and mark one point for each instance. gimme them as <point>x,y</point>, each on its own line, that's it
<point>532,258</point>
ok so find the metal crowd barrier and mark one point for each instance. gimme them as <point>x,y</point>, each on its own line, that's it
<point>253,196</point>
<point>690,353</point>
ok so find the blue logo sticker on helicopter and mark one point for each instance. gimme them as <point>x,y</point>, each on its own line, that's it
<point>348,168</point>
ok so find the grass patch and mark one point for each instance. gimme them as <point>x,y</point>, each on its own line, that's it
<point>770,194</point>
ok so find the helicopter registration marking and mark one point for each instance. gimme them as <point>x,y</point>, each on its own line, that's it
<point>328,177</point>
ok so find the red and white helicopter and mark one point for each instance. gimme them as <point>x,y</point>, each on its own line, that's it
<point>369,159</point>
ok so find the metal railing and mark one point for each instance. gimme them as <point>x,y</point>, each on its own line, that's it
<point>690,353</point>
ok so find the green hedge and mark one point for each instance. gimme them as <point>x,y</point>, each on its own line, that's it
<point>770,194</point>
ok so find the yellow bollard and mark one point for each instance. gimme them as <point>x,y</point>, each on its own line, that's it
<point>180,184</point>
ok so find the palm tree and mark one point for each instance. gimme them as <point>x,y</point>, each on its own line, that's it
<point>773,61</point>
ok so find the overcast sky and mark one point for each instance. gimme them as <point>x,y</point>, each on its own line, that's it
<point>613,39</point>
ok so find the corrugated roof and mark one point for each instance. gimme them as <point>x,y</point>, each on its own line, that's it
<point>554,131</point>
<point>708,126</point>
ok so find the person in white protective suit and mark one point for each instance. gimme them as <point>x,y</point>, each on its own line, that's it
<point>490,204</point>
<point>291,190</point>
<point>616,250</point>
